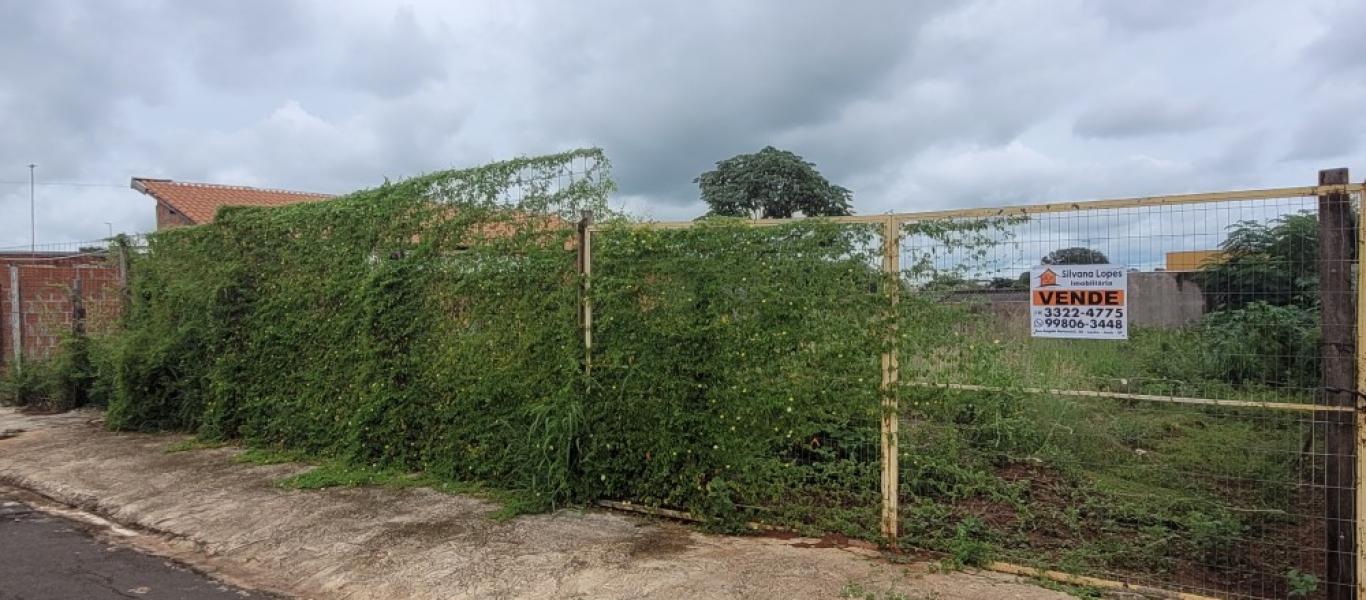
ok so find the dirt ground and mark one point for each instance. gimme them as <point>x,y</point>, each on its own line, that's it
<point>230,519</point>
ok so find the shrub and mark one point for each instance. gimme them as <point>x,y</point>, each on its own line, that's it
<point>34,384</point>
<point>1263,343</point>
<point>1273,262</point>
<point>65,380</point>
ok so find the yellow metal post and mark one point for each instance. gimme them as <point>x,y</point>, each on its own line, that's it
<point>891,266</point>
<point>586,285</point>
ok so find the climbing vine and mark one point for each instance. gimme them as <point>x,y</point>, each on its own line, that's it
<point>427,324</point>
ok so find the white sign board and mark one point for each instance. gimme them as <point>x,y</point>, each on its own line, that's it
<point>1089,302</point>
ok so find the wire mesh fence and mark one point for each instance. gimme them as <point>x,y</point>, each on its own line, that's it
<point>1200,442</point>
<point>1189,456</point>
<point>48,250</point>
<point>740,356</point>
<point>1156,392</point>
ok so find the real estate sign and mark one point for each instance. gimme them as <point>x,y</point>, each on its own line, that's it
<point>1079,301</point>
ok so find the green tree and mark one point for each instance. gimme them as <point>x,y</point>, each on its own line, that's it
<point>1275,263</point>
<point>772,183</point>
<point>1075,255</point>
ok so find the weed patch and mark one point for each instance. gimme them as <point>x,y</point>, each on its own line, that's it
<point>334,474</point>
<point>193,443</point>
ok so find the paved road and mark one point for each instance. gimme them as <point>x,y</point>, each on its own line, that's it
<point>43,557</point>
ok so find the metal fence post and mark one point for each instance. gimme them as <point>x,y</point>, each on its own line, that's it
<point>891,267</point>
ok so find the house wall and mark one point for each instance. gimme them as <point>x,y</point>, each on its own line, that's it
<point>168,217</point>
<point>45,304</point>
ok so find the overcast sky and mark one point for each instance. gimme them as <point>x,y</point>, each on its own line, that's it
<point>912,105</point>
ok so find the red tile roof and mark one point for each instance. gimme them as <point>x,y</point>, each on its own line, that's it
<point>200,201</point>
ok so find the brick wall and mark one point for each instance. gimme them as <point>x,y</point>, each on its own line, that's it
<point>45,299</point>
<point>168,217</point>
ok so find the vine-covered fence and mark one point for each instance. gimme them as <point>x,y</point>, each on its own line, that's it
<point>1211,453</point>
<point>868,376</point>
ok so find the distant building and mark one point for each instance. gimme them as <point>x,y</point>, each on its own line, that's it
<point>1192,260</point>
<point>181,203</point>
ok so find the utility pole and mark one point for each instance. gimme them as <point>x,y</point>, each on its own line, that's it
<point>32,240</point>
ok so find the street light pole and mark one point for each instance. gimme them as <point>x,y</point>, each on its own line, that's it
<point>32,240</point>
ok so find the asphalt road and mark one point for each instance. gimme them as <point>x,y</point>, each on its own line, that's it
<point>44,557</point>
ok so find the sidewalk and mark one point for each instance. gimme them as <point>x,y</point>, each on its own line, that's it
<point>202,508</point>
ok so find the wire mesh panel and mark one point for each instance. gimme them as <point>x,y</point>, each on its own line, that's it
<point>1195,455</point>
<point>740,369</point>
<point>64,248</point>
<point>49,250</point>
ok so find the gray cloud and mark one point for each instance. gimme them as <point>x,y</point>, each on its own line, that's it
<point>1323,137</point>
<point>1139,115</point>
<point>677,89</point>
<point>1330,129</point>
<point>240,46</point>
<point>912,105</point>
<point>395,60</point>
<point>1339,46</point>
<point>1155,16</point>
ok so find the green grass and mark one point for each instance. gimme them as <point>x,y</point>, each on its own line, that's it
<point>1152,361</point>
<point>194,443</point>
<point>1084,484</point>
<point>270,456</point>
<point>334,474</point>
<point>1079,591</point>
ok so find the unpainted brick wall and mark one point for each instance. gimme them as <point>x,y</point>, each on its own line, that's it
<point>168,218</point>
<point>45,300</point>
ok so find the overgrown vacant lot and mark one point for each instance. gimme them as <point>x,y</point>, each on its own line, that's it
<point>436,330</point>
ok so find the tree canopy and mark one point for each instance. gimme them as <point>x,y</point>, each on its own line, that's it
<point>1274,262</point>
<point>771,184</point>
<point>1075,255</point>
